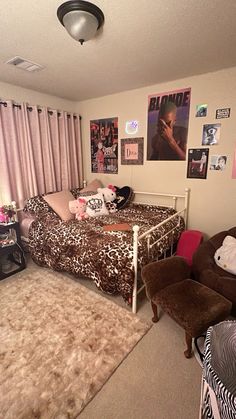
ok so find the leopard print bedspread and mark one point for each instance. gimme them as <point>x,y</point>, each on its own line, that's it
<point>84,249</point>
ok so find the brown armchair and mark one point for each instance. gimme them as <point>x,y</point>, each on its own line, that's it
<point>192,305</point>
<point>207,272</point>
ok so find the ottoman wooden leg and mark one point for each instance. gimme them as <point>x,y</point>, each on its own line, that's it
<point>154,309</point>
<point>188,352</point>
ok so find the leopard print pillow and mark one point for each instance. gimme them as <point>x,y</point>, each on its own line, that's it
<point>76,192</point>
<point>38,206</point>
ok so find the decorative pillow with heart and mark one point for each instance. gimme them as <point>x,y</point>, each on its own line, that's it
<point>225,256</point>
<point>95,205</point>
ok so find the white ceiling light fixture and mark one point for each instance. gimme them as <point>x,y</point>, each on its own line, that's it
<point>81,19</point>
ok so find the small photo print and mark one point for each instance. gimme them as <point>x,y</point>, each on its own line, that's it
<point>222,113</point>
<point>211,134</point>
<point>197,163</point>
<point>201,111</point>
<point>218,162</point>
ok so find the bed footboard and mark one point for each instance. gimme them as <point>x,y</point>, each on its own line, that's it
<point>148,236</point>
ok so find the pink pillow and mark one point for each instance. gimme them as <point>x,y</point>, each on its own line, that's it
<point>59,202</point>
<point>92,186</point>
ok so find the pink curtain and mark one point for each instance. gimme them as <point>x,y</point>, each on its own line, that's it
<point>40,151</point>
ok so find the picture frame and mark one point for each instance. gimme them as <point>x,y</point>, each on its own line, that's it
<point>197,163</point>
<point>132,151</point>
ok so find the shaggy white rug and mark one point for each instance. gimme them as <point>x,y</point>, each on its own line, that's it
<point>59,343</point>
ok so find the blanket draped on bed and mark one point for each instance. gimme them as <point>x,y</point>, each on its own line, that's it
<point>84,249</point>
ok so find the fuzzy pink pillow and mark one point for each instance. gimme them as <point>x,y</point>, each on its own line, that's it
<point>59,202</point>
<point>92,186</point>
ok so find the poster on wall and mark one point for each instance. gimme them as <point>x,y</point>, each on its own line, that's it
<point>218,162</point>
<point>197,163</point>
<point>211,134</point>
<point>201,110</point>
<point>104,145</point>
<point>168,117</point>
<point>132,150</point>
<point>222,113</point>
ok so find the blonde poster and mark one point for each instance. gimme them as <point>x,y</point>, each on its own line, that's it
<point>168,117</point>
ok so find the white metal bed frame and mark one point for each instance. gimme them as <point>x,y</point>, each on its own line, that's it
<point>148,233</point>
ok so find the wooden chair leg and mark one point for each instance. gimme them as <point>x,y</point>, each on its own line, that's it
<point>188,352</point>
<point>154,309</point>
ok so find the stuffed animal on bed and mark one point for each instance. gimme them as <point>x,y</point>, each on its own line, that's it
<point>109,195</point>
<point>78,207</point>
<point>225,256</point>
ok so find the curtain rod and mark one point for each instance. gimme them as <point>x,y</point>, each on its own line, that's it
<point>29,108</point>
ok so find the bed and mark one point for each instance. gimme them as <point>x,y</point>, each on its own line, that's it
<point>112,259</point>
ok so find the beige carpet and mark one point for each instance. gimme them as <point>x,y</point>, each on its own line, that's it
<point>59,343</point>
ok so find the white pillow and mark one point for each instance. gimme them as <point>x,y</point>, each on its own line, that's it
<point>225,256</point>
<point>95,205</point>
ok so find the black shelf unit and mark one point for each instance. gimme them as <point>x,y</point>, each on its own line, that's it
<point>14,251</point>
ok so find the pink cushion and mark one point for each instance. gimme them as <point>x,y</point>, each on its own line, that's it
<point>59,202</point>
<point>188,244</point>
<point>92,186</point>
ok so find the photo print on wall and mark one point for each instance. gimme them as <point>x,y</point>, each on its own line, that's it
<point>132,150</point>
<point>211,134</point>
<point>197,163</point>
<point>168,118</point>
<point>104,145</point>
<point>201,111</point>
<point>222,113</point>
<point>218,162</point>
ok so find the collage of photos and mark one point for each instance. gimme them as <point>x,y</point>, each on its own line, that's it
<point>167,132</point>
<point>211,133</point>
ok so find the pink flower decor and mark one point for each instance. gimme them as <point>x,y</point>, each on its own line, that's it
<point>6,213</point>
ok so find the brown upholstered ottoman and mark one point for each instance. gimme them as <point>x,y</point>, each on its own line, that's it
<point>193,306</point>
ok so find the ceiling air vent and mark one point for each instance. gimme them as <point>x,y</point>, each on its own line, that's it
<point>24,64</point>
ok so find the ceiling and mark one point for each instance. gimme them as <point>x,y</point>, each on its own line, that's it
<point>143,42</point>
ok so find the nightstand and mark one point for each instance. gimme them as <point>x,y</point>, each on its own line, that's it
<point>14,250</point>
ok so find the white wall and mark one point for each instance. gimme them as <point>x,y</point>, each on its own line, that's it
<point>19,94</point>
<point>212,201</point>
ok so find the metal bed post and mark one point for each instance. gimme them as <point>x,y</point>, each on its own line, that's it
<point>174,202</point>
<point>135,264</point>
<point>84,183</point>
<point>186,204</point>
